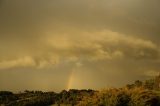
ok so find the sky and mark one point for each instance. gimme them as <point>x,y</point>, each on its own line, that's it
<point>52,45</point>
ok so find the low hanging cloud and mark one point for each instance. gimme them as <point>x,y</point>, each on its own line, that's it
<point>104,45</point>
<point>87,46</point>
<point>20,62</point>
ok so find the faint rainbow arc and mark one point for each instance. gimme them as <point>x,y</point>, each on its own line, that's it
<point>70,81</point>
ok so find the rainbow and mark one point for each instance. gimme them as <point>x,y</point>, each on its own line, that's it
<point>70,80</point>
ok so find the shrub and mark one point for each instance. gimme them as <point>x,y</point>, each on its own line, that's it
<point>122,97</point>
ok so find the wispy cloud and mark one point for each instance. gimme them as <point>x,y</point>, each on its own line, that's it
<point>20,62</point>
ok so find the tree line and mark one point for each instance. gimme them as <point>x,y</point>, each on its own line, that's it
<point>140,93</point>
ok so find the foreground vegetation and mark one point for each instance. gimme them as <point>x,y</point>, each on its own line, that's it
<point>122,97</point>
<point>145,93</point>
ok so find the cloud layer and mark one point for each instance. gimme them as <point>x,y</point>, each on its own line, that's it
<point>86,46</point>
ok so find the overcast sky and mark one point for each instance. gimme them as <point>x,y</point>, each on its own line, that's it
<point>63,44</point>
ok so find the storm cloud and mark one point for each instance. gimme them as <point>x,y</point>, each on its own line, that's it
<point>108,42</point>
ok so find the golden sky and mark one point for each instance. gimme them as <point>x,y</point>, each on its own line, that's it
<point>63,44</point>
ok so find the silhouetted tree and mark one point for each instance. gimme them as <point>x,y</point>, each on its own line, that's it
<point>138,83</point>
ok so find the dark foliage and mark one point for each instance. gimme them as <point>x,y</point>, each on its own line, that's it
<point>138,94</point>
